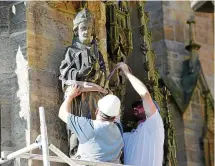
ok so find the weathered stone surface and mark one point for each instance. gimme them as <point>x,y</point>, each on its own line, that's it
<point>49,32</point>
<point>177,47</point>
<point>11,100</point>
<point>156,18</point>
<point>6,75</point>
<point>3,16</point>
<point>197,158</point>
<point>204,32</point>
<point>180,33</point>
<point>53,25</point>
<point>179,126</point>
<point>157,34</point>
<point>17,41</point>
<point>17,17</point>
<point>17,14</point>
<point>153,5</point>
<point>5,122</point>
<point>161,59</point>
<point>21,26</point>
<point>194,130</point>
<point>6,3</point>
<point>6,62</point>
<point>48,36</point>
<point>47,57</point>
<point>174,62</point>
<point>169,32</point>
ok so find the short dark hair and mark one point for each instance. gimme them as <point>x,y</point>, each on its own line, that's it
<point>140,102</point>
<point>137,103</point>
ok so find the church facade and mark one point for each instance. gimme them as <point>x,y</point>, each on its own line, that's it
<point>168,45</point>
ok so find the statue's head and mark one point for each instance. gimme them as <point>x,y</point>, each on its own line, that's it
<point>84,26</point>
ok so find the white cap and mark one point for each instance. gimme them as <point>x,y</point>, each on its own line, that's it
<point>109,105</point>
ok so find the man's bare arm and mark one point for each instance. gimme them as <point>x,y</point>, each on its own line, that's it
<point>65,108</point>
<point>141,89</point>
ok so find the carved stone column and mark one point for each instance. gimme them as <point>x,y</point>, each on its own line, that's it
<point>119,44</point>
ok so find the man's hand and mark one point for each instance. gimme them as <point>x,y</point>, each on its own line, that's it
<point>141,89</point>
<point>72,92</point>
<point>124,68</point>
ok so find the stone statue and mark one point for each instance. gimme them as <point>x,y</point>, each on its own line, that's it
<point>83,63</point>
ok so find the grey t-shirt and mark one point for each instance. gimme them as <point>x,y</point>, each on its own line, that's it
<point>99,141</point>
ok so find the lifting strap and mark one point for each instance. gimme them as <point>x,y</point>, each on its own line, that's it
<point>89,86</point>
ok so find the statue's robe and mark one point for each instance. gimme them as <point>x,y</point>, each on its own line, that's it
<point>85,104</point>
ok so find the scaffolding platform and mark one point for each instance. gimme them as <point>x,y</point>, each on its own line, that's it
<point>42,143</point>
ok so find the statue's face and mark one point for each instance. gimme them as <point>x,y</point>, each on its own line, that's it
<point>85,32</point>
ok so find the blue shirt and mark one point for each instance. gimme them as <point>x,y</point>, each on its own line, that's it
<point>99,140</point>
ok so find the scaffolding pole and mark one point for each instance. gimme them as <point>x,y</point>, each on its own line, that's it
<point>44,137</point>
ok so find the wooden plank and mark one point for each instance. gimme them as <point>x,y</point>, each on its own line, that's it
<point>81,162</point>
<point>59,159</point>
<point>62,155</point>
<point>37,157</point>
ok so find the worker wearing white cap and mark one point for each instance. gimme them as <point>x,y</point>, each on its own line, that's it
<point>100,139</point>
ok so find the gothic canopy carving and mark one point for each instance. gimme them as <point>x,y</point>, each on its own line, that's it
<point>119,34</point>
<point>69,7</point>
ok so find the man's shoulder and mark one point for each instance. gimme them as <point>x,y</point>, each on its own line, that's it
<point>79,120</point>
<point>153,122</point>
<point>155,116</point>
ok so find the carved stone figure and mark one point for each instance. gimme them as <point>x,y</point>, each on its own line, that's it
<point>83,62</point>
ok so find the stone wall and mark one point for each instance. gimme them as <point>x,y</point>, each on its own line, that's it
<point>204,35</point>
<point>6,75</point>
<point>170,33</point>
<point>14,77</point>
<point>34,37</point>
<point>194,125</point>
<point>156,27</point>
<point>98,9</point>
<point>49,32</point>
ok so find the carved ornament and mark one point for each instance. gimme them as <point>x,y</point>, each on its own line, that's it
<point>119,35</point>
